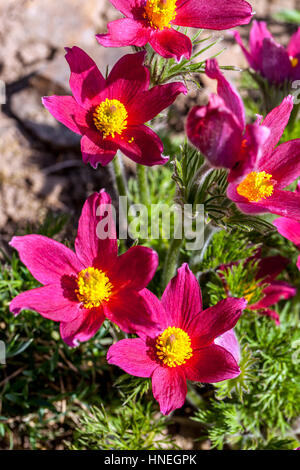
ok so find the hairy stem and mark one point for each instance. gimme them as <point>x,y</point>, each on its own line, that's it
<point>143,185</point>
<point>171,261</point>
<point>117,170</point>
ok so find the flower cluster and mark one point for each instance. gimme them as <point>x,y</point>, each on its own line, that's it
<point>175,339</point>
<point>259,171</point>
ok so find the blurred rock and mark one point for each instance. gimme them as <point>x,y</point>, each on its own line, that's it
<point>26,105</point>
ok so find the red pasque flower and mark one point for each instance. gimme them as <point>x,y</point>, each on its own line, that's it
<point>81,289</point>
<point>152,20</point>
<point>187,343</point>
<point>110,114</point>
<point>273,61</point>
<point>259,171</point>
<point>269,269</point>
<point>260,189</point>
<point>219,129</point>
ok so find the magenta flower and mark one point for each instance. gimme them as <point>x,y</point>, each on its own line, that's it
<point>289,229</point>
<point>258,171</point>
<point>81,289</point>
<point>188,343</point>
<point>110,114</point>
<point>274,168</point>
<point>270,59</point>
<point>268,270</point>
<point>152,20</point>
<point>219,129</point>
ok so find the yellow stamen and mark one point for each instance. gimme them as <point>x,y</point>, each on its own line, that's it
<point>294,61</point>
<point>110,117</point>
<point>160,13</point>
<point>174,347</point>
<point>256,186</point>
<point>249,292</point>
<point>93,287</point>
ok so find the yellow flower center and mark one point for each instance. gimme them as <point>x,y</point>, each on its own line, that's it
<point>110,117</point>
<point>294,61</point>
<point>93,287</point>
<point>256,186</point>
<point>160,13</point>
<point>249,292</point>
<point>173,347</point>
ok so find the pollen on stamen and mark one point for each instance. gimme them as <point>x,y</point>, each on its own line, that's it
<point>256,186</point>
<point>110,117</point>
<point>294,61</point>
<point>173,347</point>
<point>160,13</point>
<point>93,287</point>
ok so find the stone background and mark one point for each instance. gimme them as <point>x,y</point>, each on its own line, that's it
<point>40,161</point>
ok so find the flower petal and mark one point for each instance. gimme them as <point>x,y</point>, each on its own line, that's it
<point>82,328</point>
<point>95,150</point>
<point>276,121</point>
<point>283,203</point>
<point>86,81</point>
<point>250,58</point>
<point>276,66</point>
<point>294,44</point>
<point>254,138</point>
<point>289,229</point>
<point>49,301</point>
<point>128,77</point>
<point>259,31</point>
<point>276,291</point>
<point>125,32</point>
<point>226,91</point>
<point>214,131</point>
<point>169,388</point>
<point>158,314</point>
<point>171,44</point>
<point>130,312</point>
<point>283,164</point>
<point>90,248</point>
<point>67,111</point>
<point>267,312</point>
<point>142,145</point>
<point>229,342</point>
<point>215,321</point>
<point>46,259</point>
<point>212,14</point>
<point>182,298</point>
<point>271,267</point>
<point>128,7</point>
<point>211,364</point>
<point>151,102</point>
<point>135,268</point>
<point>133,356</point>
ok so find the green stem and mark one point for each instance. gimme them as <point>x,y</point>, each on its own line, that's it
<point>120,181</point>
<point>209,232</point>
<point>143,185</point>
<point>294,116</point>
<point>171,261</point>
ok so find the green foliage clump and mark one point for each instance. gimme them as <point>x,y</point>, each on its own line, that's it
<point>134,427</point>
